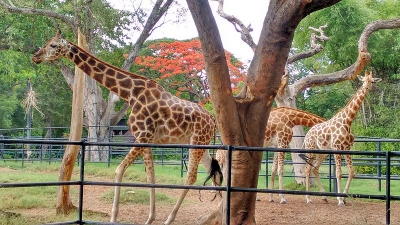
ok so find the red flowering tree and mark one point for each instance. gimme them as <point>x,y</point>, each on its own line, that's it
<point>180,68</point>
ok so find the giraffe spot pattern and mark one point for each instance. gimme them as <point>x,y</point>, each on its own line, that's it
<point>83,56</point>
<point>101,66</point>
<point>110,72</point>
<point>91,62</point>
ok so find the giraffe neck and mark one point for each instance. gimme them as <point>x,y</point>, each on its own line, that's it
<point>126,85</point>
<point>349,112</point>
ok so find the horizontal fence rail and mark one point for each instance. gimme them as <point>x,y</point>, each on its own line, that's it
<point>385,158</point>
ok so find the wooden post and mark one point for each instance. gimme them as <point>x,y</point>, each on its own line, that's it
<point>64,203</point>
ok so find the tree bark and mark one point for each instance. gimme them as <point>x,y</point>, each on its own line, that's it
<point>64,203</point>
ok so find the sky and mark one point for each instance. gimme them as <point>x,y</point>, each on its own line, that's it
<point>249,12</point>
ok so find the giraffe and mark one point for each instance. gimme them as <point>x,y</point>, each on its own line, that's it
<point>335,134</point>
<point>157,116</point>
<point>279,133</point>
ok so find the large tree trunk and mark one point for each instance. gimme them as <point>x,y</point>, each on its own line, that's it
<point>243,121</point>
<point>97,121</point>
<point>64,203</point>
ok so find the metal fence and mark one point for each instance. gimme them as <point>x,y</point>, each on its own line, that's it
<point>50,153</point>
<point>385,159</point>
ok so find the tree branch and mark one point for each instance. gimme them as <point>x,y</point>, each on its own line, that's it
<point>352,71</point>
<point>315,47</point>
<point>244,31</point>
<point>32,11</point>
<point>158,11</point>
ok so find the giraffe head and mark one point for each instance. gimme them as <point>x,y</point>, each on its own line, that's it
<point>55,48</point>
<point>368,80</point>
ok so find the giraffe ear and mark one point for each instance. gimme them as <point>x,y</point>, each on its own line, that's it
<point>59,35</point>
<point>376,80</point>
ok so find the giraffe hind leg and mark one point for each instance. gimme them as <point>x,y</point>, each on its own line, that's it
<point>149,165</point>
<point>273,173</point>
<point>195,155</point>
<point>281,159</point>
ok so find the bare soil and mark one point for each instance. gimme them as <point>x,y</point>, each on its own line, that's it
<point>296,211</point>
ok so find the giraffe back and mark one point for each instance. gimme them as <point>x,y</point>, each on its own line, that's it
<point>160,117</point>
<point>281,121</point>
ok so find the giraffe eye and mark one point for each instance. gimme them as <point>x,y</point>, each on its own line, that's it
<point>53,45</point>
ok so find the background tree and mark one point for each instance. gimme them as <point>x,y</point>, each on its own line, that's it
<point>180,68</point>
<point>102,26</point>
<point>346,20</point>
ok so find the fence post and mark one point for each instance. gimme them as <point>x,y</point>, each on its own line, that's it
<point>388,197</point>
<point>266,169</point>
<point>379,169</point>
<point>330,172</point>
<point>81,179</point>
<point>182,162</point>
<point>109,147</point>
<point>228,185</point>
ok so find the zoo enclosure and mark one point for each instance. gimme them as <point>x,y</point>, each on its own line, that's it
<point>172,156</point>
<point>388,158</point>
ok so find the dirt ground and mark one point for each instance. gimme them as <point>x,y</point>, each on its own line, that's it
<point>296,211</point>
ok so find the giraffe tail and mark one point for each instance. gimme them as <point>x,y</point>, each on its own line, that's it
<point>306,159</point>
<point>215,173</point>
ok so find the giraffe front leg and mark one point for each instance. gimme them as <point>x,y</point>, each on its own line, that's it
<point>338,161</point>
<point>119,172</point>
<point>194,158</point>
<point>308,174</point>
<point>350,167</point>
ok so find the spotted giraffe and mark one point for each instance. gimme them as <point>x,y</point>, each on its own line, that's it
<point>335,134</point>
<point>157,116</point>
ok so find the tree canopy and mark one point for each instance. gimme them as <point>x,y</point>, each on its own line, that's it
<point>179,66</point>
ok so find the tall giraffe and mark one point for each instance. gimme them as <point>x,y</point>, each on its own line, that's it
<point>279,133</point>
<point>335,134</point>
<point>156,117</point>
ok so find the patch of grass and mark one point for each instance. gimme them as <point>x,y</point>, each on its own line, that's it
<point>137,196</point>
<point>11,218</point>
<point>15,218</point>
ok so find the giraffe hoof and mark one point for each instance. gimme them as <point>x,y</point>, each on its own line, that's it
<point>325,200</point>
<point>271,200</point>
<point>283,202</point>
<point>309,202</point>
<point>341,204</point>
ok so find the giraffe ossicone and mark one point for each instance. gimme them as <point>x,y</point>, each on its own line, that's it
<point>335,134</point>
<point>157,116</point>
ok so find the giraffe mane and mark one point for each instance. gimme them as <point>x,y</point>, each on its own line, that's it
<point>110,65</point>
